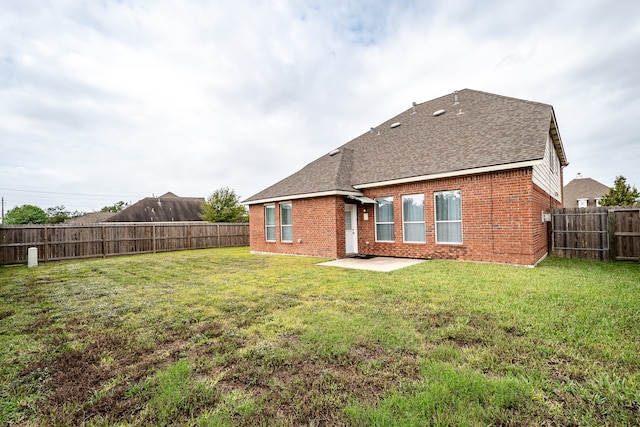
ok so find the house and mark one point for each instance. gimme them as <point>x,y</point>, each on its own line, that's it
<point>583,192</point>
<point>91,218</point>
<point>466,176</point>
<point>167,207</point>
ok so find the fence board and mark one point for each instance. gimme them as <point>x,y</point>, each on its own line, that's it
<point>59,242</point>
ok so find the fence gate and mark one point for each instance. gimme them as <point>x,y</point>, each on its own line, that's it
<point>627,234</point>
<point>599,233</point>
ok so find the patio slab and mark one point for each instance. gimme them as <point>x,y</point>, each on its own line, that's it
<point>373,264</point>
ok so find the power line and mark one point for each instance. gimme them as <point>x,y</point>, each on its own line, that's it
<point>56,192</point>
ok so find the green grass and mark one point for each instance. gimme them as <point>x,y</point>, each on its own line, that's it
<point>221,337</point>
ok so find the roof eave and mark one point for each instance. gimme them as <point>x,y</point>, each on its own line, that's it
<point>302,196</point>
<point>557,141</point>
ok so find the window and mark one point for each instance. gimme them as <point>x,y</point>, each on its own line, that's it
<point>582,203</point>
<point>448,217</point>
<point>270,223</point>
<point>384,219</point>
<point>598,200</point>
<point>413,218</point>
<point>286,223</point>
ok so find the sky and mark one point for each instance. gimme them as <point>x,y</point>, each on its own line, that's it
<point>107,101</point>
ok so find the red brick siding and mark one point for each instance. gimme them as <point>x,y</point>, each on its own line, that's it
<point>318,228</point>
<point>501,221</point>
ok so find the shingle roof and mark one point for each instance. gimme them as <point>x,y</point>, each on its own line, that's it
<point>583,188</point>
<point>91,218</point>
<point>167,207</point>
<point>480,130</point>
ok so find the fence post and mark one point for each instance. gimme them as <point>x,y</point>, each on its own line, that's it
<point>218,231</point>
<point>104,244</point>
<point>153,236</point>
<point>611,217</point>
<point>46,245</point>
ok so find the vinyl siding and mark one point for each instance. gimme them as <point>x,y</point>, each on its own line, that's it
<point>546,175</point>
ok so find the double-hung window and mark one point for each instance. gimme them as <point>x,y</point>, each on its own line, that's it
<point>413,218</point>
<point>270,223</point>
<point>448,217</point>
<point>286,223</point>
<point>384,219</point>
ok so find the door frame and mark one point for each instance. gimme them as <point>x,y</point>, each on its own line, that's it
<point>354,223</point>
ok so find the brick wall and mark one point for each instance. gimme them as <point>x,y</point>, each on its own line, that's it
<point>318,228</point>
<point>501,221</point>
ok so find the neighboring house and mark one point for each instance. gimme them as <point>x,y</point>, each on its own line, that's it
<point>167,207</point>
<point>91,218</point>
<point>584,192</point>
<point>465,176</point>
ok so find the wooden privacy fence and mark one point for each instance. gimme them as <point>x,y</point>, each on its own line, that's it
<point>58,242</point>
<point>600,233</point>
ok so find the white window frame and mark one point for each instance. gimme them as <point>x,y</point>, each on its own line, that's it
<point>598,201</point>
<point>267,226</point>
<point>392,223</point>
<point>447,221</point>
<point>583,203</point>
<point>420,222</point>
<point>284,226</point>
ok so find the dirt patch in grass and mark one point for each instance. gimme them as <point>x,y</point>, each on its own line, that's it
<point>316,390</point>
<point>92,380</point>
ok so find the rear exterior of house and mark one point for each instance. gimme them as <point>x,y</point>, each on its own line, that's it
<point>467,176</point>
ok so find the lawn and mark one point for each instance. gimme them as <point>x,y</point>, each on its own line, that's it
<point>221,337</point>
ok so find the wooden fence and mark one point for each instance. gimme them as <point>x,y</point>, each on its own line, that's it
<point>58,242</point>
<point>600,233</point>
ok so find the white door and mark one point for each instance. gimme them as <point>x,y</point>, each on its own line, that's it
<point>351,229</point>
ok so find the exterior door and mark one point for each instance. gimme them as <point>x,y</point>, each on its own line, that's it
<point>351,229</point>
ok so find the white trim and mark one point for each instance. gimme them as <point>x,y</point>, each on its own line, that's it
<point>305,196</point>
<point>353,209</point>
<point>282,226</point>
<point>451,174</point>
<point>376,222</point>
<point>448,221</point>
<point>266,226</point>
<point>423,222</point>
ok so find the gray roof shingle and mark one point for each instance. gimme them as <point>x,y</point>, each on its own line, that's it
<point>583,188</point>
<point>167,207</point>
<point>481,130</point>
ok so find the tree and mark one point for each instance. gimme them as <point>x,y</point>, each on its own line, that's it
<point>622,194</point>
<point>26,214</point>
<point>115,208</point>
<point>59,215</point>
<point>223,206</point>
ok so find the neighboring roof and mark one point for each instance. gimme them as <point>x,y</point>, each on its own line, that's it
<point>583,188</point>
<point>481,131</point>
<point>167,207</point>
<point>91,218</point>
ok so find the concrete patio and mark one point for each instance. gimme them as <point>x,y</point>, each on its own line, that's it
<point>373,264</point>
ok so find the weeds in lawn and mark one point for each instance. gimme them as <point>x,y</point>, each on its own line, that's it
<point>222,337</point>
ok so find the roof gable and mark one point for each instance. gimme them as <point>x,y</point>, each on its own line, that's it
<point>475,130</point>
<point>580,188</point>
<point>168,207</point>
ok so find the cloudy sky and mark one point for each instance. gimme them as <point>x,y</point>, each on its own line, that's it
<point>102,101</point>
